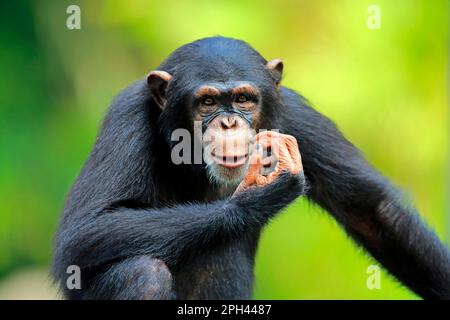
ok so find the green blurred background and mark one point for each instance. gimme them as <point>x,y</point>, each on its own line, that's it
<point>386,89</point>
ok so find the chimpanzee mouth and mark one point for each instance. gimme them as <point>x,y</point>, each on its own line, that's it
<point>229,161</point>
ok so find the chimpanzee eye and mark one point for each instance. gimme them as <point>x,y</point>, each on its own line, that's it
<point>242,98</point>
<point>208,101</point>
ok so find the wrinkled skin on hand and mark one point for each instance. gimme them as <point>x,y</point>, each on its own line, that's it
<point>285,156</point>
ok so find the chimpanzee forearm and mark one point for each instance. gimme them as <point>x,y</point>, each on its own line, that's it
<point>393,233</point>
<point>407,247</point>
<point>172,233</point>
<point>369,208</point>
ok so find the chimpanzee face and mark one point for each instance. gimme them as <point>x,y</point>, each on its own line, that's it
<point>228,113</point>
<point>227,102</point>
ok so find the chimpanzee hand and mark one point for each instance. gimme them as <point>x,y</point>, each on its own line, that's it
<point>280,186</point>
<point>283,155</point>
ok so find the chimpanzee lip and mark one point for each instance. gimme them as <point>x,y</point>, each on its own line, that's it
<point>230,161</point>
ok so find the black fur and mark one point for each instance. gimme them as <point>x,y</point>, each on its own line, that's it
<point>140,227</point>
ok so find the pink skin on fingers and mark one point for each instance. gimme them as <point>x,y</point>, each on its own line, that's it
<point>285,152</point>
<point>281,151</point>
<point>286,149</point>
<point>253,172</point>
<point>292,146</point>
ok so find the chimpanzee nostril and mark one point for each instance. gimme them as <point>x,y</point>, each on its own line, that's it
<point>224,124</point>
<point>228,122</point>
<point>232,121</point>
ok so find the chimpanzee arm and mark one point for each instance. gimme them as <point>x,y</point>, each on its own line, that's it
<point>173,233</point>
<point>369,208</point>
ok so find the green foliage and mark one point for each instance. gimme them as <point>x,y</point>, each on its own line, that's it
<point>386,89</point>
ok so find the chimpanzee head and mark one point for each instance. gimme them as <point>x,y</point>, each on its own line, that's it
<point>229,89</point>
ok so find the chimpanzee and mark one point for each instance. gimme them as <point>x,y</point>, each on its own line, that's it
<point>141,226</point>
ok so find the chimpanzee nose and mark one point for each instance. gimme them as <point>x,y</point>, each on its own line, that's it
<point>228,122</point>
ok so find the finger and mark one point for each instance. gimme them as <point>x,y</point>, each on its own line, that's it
<point>261,180</point>
<point>285,147</point>
<point>254,168</point>
<point>267,142</point>
<point>285,161</point>
<point>279,151</point>
<point>267,134</point>
<point>292,146</point>
<point>270,143</point>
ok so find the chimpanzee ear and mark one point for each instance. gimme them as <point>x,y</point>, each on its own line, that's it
<point>275,67</point>
<point>157,83</point>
